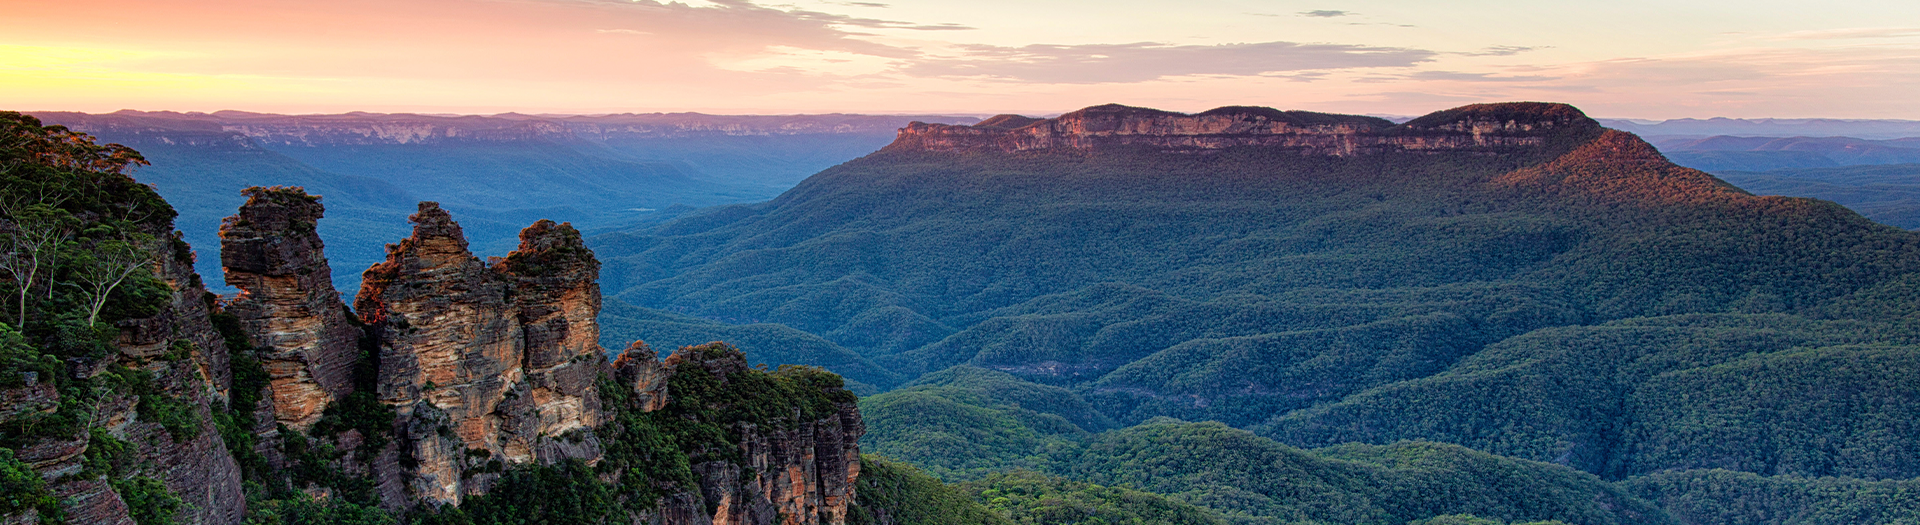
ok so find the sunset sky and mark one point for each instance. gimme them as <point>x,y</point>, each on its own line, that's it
<point>1617,58</point>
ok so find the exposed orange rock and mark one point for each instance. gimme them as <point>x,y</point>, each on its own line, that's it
<point>1484,126</point>
<point>502,359</point>
<point>640,369</point>
<point>287,302</point>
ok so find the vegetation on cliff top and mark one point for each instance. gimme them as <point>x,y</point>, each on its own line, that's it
<point>81,240</point>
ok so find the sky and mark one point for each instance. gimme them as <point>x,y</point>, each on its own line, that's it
<point>1651,59</point>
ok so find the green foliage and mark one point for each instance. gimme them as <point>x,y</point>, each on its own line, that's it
<point>1830,411</point>
<point>1889,194</point>
<point>1469,519</point>
<point>768,344</point>
<point>1313,298</point>
<point>361,411</point>
<point>1036,499</point>
<point>1722,497</point>
<point>21,488</point>
<point>708,404</point>
<point>301,510</point>
<point>148,500</point>
<point>648,461</point>
<point>154,404</point>
<point>317,462</point>
<point>18,361</point>
<point>1604,399</point>
<point>1249,479</point>
<point>965,422</point>
<point>107,455</point>
<point>564,494</point>
<point>1584,303</point>
<point>894,493</point>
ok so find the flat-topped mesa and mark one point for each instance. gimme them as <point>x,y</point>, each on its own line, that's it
<point>1482,127</point>
<point>499,358</point>
<point>272,253</point>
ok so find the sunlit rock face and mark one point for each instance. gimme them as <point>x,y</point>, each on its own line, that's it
<point>498,357</point>
<point>287,303</point>
<point>639,368</point>
<point>1113,126</point>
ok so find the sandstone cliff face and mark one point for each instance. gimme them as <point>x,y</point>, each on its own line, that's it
<point>1481,127</point>
<point>640,369</point>
<point>197,466</point>
<point>500,359</point>
<point>791,473</point>
<point>287,302</point>
<point>186,361</point>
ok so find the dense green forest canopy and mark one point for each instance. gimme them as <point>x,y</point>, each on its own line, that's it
<point>1582,302</point>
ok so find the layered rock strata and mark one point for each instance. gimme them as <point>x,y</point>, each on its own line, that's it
<point>287,303</point>
<point>640,368</point>
<point>185,359</point>
<point>1479,127</point>
<point>495,360</point>
<point>790,472</point>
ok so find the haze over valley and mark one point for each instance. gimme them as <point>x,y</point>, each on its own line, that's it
<point>731,262</point>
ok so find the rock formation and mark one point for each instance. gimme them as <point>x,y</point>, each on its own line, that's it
<point>791,472</point>
<point>1484,126</point>
<point>499,359</point>
<point>185,361</point>
<point>462,369</point>
<point>287,303</point>
<point>640,368</point>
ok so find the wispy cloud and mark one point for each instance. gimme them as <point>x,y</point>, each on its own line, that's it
<point>1500,51</point>
<point>747,7</point>
<point>1104,63</point>
<point>1326,13</point>
<point>1475,77</point>
<point>1851,33</point>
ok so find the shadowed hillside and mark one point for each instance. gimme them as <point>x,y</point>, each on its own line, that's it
<point>1514,278</point>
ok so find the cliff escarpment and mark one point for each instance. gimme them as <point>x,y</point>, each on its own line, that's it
<point>469,377</point>
<point>1481,127</point>
<point>463,391</point>
<point>111,370</point>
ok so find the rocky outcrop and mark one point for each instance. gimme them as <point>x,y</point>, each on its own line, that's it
<point>181,360</point>
<point>790,471</point>
<point>1487,127</point>
<point>497,361</point>
<point>195,466</point>
<point>287,303</point>
<point>640,369</point>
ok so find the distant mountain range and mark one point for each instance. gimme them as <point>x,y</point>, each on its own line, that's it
<point>1768,127</point>
<point>1721,153</point>
<point>614,172</point>
<point>498,172</point>
<point>1878,178</point>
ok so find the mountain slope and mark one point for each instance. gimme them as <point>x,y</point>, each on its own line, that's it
<point>1321,279</point>
<point>1889,194</point>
